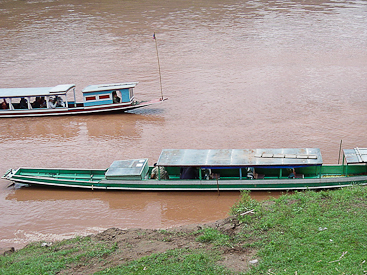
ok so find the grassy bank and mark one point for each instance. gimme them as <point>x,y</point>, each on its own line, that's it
<point>309,232</point>
<point>302,233</point>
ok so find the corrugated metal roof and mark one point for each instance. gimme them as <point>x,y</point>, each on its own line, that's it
<point>40,91</point>
<point>106,87</point>
<point>356,155</point>
<point>240,157</point>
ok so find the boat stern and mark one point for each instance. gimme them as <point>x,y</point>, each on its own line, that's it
<point>9,174</point>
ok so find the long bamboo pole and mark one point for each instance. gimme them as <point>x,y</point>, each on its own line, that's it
<point>340,148</point>
<point>159,66</point>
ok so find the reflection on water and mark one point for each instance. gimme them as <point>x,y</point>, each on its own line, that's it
<point>239,74</point>
<point>62,127</point>
<point>92,211</point>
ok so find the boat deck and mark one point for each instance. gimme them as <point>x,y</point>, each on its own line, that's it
<point>70,174</point>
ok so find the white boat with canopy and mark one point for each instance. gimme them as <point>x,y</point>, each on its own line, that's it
<point>61,100</point>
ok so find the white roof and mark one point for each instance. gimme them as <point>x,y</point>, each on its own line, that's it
<point>41,91</point>
<point>107,87</point>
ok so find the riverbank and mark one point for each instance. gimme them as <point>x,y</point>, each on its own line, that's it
<point>297,233</point>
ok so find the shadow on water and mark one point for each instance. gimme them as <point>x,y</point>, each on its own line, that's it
<point>121,199</point>
<point>114,125</point>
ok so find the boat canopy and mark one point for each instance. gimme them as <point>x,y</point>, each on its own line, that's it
<point>237,158</point>
<point>356,155</point>
<point>41,91</point>
<point>109,87</point>
<point>133,169</point>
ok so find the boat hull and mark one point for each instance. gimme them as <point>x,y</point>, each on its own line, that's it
<point>98,182</point>
<point>119,107</point>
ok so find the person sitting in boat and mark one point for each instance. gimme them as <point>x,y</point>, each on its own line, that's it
<point>115,98</point>
<point>162,173</point>
<point>23,103</point>
<point>42,102</point>
<point>292,173</point>
<point>4,105</point>
<point>251,173</point>
<point>37,103</point>
<point>57,102</point>
<point>53,102</point>
<point>189,173</point>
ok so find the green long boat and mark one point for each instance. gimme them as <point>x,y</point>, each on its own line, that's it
<point>210,170</point>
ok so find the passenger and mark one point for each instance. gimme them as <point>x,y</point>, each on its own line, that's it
<point>4,105</point>
<point>115,98</point>
<point>23,103</point>
<point>42,102</point>
<point>60,102</point>
<point>53,102</point>
<point>162,173</point>
<point>189,173</point>
<point>251,173</point>
<point>37,103</point>
<point>292,174</point>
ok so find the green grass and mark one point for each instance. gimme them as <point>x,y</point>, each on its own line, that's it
<point>309,232</point>
<point>177,261</point>
<point>38,259</point>
<point>211,235</point>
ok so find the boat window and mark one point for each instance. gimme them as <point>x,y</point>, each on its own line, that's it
<point>38,102</point>
<point>104,97</point>
<point>20,103</point>
<point>116,96</point>
<point>56,101</point>
<point>88,98</point>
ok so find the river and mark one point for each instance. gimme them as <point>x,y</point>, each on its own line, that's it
<point>237,74</point>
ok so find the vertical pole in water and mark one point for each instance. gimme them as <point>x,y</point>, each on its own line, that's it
<point>159,66</point>
<point>340,148</point>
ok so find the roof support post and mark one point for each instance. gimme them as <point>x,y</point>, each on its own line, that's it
<point>29,103</point>
<point>47,102</point>
<point>11,107</point>
<point>66,101</point>
<point>74,97</point>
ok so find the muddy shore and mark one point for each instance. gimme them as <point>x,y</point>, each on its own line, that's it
<point>136,243</point>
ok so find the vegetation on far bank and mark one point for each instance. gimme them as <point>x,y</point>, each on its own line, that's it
<point>309,232</point>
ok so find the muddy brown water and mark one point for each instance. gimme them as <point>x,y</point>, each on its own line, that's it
<point>238,74</point>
